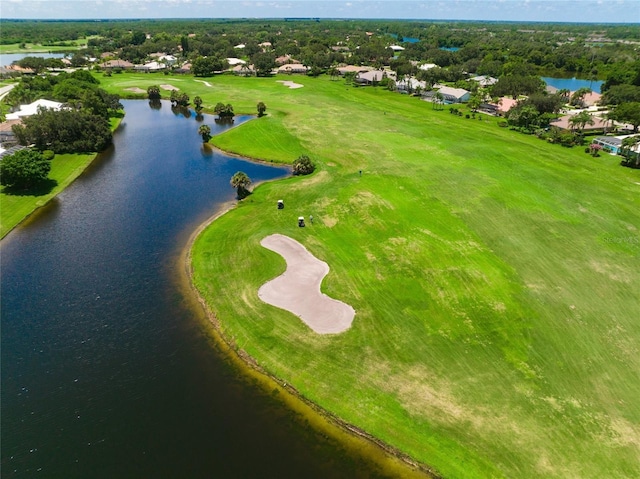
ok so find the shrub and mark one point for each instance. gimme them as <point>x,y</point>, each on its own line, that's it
<point>303,166</point>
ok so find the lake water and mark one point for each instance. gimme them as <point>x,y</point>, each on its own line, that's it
<point>450,49</point>
<point>405,39</point>
<point>573,84</point>
<point>107,370</point>
<point>9,58</point>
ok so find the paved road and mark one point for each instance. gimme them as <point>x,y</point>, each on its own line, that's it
<point>4,91</point>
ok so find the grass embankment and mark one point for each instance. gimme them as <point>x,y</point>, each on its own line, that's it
<point>15,207</point>
<point>493,275</point>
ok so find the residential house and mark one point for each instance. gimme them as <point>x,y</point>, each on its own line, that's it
<point>244,70</point>
<point>120,64</point>
<point>370,77</point>
<point>284,59</point>
<point>598,123</point>
<point>505,104</point>
<point>32,109</point>
<point>427,66</point>
<point>184,68</point>
<point>410,85</point>
<point>292,68</point>
<point>485,81</point>
<point>353,69</point>
<point>591,99</point>
<point>168,59</point>
<point>150,67</point>
<point>235,61</point>
<point>454,95</point>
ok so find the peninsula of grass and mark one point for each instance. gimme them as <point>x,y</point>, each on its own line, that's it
<point>494,278</point>
<point>15,206</point>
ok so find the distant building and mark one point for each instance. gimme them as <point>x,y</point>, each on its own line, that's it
<point>454,95</point>
<point>120,64</point>
<point>370,77</point>
<point>563,123</point>
<point>235,61</point>
<point>484,80</point>
<point>32,109</point>
<point>292,68</point>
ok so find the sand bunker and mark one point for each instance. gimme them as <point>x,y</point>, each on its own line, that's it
<point>169,87</point>
<point>290,84</point>
<point>205,82</point>
<point>135,89</point>
<point>298,289</point>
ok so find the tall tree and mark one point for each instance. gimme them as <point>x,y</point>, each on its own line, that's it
<point>628,113</point>
<point>24,169</point>
<point>581,120</point>
<point>240,181</point>
<point>205,132</point>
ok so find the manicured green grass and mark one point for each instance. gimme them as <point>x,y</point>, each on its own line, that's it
<point>16,206</point>
<point>494,279</point>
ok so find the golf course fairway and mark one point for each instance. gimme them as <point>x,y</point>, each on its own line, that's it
<point>494,278</point>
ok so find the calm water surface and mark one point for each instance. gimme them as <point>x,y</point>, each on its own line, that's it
<point>106,372</point>
<point>9,58</point>
<point>573,84</point>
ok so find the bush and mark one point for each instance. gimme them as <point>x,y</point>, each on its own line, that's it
<point>303,166</point>
<point>24,169</point>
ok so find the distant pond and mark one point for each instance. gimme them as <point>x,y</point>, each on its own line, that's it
<point>8,58</point>
<point>450,49</point>
<point>573,84</point>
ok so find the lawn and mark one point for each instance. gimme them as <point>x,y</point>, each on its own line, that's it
<point>492,274</point>
<point>15,206</point>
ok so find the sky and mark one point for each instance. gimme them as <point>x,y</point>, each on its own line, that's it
<point>593,11</point>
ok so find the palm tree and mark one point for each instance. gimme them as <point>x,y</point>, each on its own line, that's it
<point>627,150</point>
<point>153,92</point>
<point>240,181</point>
<point>581,120</point>
<point>197,101</point>
<point>205,132</point>
<point>438,99</point>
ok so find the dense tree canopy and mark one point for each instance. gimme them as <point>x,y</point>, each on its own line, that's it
<point>24,169</point>
<point>65,131</point>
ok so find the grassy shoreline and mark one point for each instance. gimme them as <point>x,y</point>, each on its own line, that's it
<point>490,273</point>
<point>65,169</point>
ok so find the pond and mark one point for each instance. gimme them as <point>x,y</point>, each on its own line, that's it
<point>107,369</point>
<point>573,84</point>
<point>8,58</point>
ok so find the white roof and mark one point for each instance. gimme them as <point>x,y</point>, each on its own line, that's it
<point>455,92</point>
<point>427,66</point>
<point>396,48</point>
<point>235,61</point>
<point>241,45</point>
<point>32,108</point>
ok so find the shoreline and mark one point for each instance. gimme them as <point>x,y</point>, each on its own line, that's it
<point>53,197</point>
<point>329,423</point>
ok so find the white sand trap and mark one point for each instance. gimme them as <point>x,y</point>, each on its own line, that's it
<point>290,84</point>
<point>169,87</point>
<point>135,89</point>
<point>205,82</point>
<point>298,289</point>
